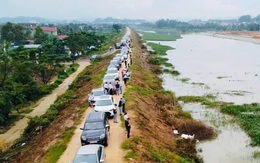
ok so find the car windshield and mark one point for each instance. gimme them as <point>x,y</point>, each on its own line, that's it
<point>104,102</point>
<point>94,126</point>
<point>98,93</point>
<point>87,158</point>
<point>112,71</point>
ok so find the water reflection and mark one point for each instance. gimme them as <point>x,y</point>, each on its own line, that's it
<point>228,69</point>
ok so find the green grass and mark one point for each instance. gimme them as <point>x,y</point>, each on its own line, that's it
<point>207,100</point>
<point>221,77</point>
<point>56,151</point>
<point>249,118</point>
<point>184,80</point>
<point>172,31</point>
<point>172,72</point>
<point>158,36</point>
<point>157,59</point>
<point>256,154</point>
<point>160,49</point>
<point>131,145</point>
<point>26,111</point>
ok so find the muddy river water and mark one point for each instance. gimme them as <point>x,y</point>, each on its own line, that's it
<point>226,68</point>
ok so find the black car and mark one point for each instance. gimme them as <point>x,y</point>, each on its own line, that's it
<point>96,129</point>
<point>98,117</point>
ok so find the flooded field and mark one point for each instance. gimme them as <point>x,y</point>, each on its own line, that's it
<point>228,69</point>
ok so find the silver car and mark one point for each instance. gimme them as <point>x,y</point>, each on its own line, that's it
<point>97,93</point>
<point>93,153</point>
<point>113,72</point>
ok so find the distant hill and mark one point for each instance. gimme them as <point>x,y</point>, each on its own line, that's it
<point>111,20</point>
<point>23,19</point>
<point>108,20</point>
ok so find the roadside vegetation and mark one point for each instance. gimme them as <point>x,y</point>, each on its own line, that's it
<point>249,118</point>
<point>156,113</point>
<point>54,129</point>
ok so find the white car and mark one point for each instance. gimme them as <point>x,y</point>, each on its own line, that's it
<point>90,153</point>
<point>97,93</point>
<point>110,77</point>
<point>113,72</point>
<point>105,104</point>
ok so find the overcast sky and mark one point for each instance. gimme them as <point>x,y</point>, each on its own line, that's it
<point>144,9</point>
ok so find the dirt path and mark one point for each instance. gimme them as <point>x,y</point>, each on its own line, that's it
<point>9,137</point>
<point>114,152</point>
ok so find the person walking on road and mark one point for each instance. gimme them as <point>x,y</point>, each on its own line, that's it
<point>115,114</point>
<point>125,118</point>
<point>110,88</point>
<point>123,104</point>
<point>105,86</point>
<point>125,63</point>
<point>91,99</point>
<point>128,127</point>
<point>125,78</point>
<point>120,88</point>
<point>117,88</point>
<point>120,106</point>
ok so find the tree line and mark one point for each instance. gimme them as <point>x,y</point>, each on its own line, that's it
<point>245,22</point>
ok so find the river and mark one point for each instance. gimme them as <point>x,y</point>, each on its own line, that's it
<point>229,69</point>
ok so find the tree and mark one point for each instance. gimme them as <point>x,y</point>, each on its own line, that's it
<point>39,35</point>
<point>116,27</point>
<point>13,33</point>
<point>244,18</point>
<point>257,18</point>
<point>82,42</point>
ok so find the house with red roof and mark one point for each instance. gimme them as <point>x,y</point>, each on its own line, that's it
<point>50,30</point>
<point>61,37</point>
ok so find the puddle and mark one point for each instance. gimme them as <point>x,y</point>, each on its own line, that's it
<point>228,69</point>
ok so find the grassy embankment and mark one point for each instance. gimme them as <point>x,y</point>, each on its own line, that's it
<point>49,134</point>
<point>155,113</point>
<point>249,119</point>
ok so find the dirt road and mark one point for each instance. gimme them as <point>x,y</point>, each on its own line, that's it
<point>114,152</point>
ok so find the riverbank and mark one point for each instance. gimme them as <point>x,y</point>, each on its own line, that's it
<point>248,36</point>
<point>155,113</point>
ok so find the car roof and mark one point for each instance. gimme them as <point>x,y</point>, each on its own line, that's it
<point>97,89</point>
<point>89,149</point>
<point>95,117</point>
<point>112,68</point>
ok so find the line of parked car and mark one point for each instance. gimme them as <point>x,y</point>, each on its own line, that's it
<point>96,129</point>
